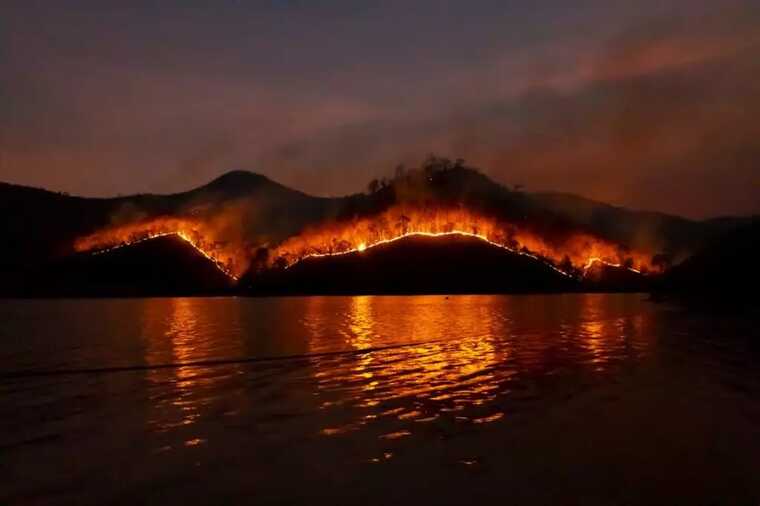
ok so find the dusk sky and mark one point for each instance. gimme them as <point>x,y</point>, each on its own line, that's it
<point>653,104</point>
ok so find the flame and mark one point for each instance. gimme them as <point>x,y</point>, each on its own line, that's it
<point>226,257</point>
<point>572,255</point>
<point>596,260</point>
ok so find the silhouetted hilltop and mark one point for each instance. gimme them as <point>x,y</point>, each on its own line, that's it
<point>415,264</point>
<point>161,266</point>
<point>548,214</point>
<point>637,229</point>
<point>40,227</point>
<point>726,268</point>
<point>235,180</point>
<point>240,184</point>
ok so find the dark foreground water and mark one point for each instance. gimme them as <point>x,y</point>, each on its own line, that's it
<point>562,399</point>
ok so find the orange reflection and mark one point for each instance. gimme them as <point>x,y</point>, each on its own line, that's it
<point>607,329</point>
<point>420,359</point>
<point>444,372</point>
<point>182,331</point>
<point>361,322</point>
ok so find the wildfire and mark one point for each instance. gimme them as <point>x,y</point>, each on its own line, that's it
<point>596,260</point>
<point>363,246</point>
<point>572,255</point>
<point>225,257</point>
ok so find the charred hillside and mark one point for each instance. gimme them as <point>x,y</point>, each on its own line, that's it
<point>164,266</point>
<point>416,264</point>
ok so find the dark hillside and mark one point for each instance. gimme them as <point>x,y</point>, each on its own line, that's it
<point>161,266</point>
<point>416,265</point>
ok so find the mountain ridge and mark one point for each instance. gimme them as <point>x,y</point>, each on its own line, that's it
<point>41,225</point>
<point>234,176</point>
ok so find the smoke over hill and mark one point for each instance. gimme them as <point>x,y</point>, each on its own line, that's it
<point>247,224</point>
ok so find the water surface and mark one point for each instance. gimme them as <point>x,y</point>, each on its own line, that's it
<point>576,399</point>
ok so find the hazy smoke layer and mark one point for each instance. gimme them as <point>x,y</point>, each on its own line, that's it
<point>651,105</point>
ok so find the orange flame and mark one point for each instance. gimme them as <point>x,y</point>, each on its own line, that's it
<point>228,258</point>
<point>574,253</point>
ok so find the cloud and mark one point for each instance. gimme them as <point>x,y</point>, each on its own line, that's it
<point>662,118</point>
<point>649,111</point>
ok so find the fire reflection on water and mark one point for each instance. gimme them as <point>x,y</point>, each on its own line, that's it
<point>418,382</point>
<point>390,367</point>
<point>606,338</point>
<point>181,331</point>
<point>462,357</point>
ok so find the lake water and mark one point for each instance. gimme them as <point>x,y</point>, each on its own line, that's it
<point>547,399</point>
